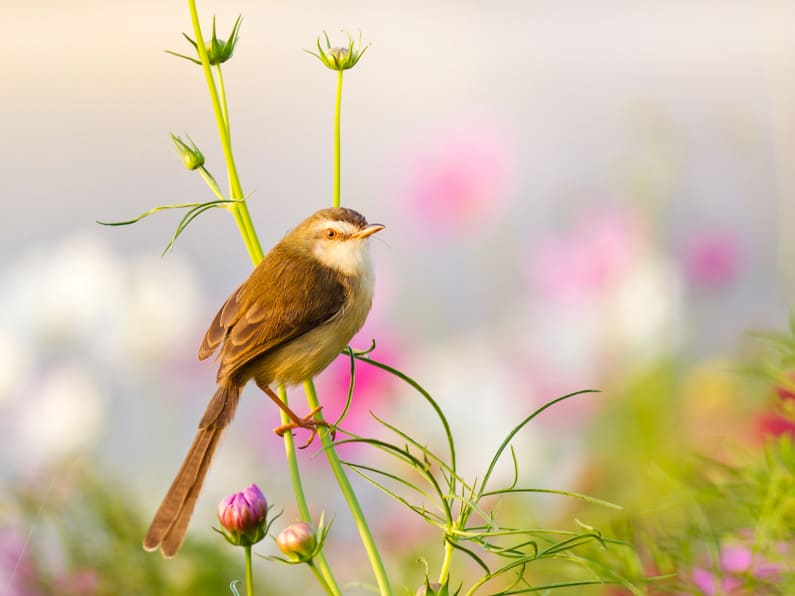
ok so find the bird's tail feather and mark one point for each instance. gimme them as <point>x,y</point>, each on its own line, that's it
<point>168,528</point>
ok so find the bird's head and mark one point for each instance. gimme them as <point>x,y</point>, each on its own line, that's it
<point>337,238</point>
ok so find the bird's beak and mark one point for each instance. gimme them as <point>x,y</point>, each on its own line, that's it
<point>369,230</point>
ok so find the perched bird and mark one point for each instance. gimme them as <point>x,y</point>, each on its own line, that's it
<point>287,322</point>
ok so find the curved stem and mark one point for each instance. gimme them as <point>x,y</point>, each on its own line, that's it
<point>337,112</point>
<point>249,573</point>
<point>322,566</point>
<point>350,497</point>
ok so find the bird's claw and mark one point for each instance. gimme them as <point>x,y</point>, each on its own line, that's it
<point>308,422</point>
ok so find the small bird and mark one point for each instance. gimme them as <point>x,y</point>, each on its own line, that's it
<point>287,322</point>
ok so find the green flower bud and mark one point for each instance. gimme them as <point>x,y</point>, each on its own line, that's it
<point>218,50</point>
<point>191,156</point>
<point>340,58</point>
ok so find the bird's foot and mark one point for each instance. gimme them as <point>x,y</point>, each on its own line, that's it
<point>308,422</point>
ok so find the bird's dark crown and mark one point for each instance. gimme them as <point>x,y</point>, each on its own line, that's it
<point>341,214</point>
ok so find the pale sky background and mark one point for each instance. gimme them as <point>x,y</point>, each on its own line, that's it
<point>89,98</point>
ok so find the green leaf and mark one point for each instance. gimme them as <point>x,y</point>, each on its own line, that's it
<point>421,511</point>
<point>423,448</point>
<point>190,216</point>
<point>555,586</point>
<point>349,399</point>
<point>471,554</point>
<point>564,493</point>
<point>519,427</point>
<point>183,56</point>
<point>190,41</point>
<point>412,461</point>
<point>148,213</point>
<point>394,477</point>
<point>428,398</point>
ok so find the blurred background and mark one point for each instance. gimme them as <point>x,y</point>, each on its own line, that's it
<point>577,196</point>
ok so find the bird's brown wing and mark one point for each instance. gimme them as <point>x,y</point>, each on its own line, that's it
<point>227,315</point>
<point>303,294</point>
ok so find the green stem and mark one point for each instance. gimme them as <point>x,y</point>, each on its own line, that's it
<point>224,110</point>
<point>448,557</point>
<point>322,566</point>
<point>249,572</point>
<point>350,497</point>
<point>210,180</point>
<point>240,210</point>
<point>322,580</point>
<point>337,112</point>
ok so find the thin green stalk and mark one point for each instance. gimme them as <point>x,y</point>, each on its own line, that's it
<point>350,496</point>
<point>224,109</point>
<point>321,579</point>
<point>240,210</point>
<point>300,497</point>
<point>337,112</point>
<point>249,572</point>
<point>448,557</point>
<point>243,222</point>
<point>210,180</point>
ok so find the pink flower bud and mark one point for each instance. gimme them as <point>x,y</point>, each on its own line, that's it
<point>298,541</point>
<point>243,516</point>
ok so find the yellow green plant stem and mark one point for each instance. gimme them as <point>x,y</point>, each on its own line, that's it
<point>321,579</point>
<point>321,564</point>
<point>350,496</point>
<point>224,110</point>
<point>239,209</point>
<point>249,573</point>
<point>337,113</point>
<point>448,557</point>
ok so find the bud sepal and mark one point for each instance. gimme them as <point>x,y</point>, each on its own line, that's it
<point>191,156</point>
<point>218,50</point>
<point>340,58</point>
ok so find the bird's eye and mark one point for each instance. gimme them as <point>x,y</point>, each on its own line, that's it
<point>331,233</point>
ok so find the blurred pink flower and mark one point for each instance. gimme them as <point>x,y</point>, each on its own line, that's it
<point>786,391</point>
<point>17,568</point>
<point>594,255</point>
<point>712,259</point>
<point>462,177</point>
<point>79,582</point>
<point>373,386</point>
<point>773,425</point>
<point>737,564</point>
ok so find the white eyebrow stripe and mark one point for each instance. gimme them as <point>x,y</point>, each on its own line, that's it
<point>344,227</point>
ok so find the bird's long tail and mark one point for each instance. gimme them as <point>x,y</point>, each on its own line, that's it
<point>168,528</point>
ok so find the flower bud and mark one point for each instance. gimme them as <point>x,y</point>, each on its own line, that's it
<point>243,516</point>
<point>218,50</point>
<point>297,541</point>
<point>341,58</point>
<point>191,156</point>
